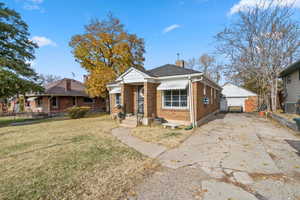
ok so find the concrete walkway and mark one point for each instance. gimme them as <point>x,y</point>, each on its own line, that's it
<point>235,157</point>
<point>148,149</point>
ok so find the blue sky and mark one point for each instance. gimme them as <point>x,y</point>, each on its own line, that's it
<point>167,26</point>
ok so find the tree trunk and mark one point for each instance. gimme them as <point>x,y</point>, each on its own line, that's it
<point>274,94</point>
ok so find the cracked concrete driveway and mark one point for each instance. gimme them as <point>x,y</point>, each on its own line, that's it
<point>234,157</point>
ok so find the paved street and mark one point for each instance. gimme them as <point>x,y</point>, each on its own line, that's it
<point>234,157</point>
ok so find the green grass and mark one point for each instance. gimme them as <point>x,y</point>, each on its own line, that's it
<point>5,121</point>
<point>67,159</point>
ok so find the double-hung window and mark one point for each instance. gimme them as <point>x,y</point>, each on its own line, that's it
<point>88,100</point>
<point>54,102</point>
<point>177,99</point>
<point>118,99</point>
<point>74,101</point>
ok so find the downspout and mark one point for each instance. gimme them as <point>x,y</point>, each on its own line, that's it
<point>192,115</point>
<point>193,107</point>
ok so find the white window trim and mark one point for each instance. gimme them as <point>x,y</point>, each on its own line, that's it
<point>120,100</point>
<point>171,107</point>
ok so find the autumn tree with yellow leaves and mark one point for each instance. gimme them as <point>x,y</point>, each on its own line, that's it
<point>105,51</point>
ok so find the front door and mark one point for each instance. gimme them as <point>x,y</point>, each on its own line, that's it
<point>140,99</point>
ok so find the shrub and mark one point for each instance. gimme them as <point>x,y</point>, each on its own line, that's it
<point>77,112</point>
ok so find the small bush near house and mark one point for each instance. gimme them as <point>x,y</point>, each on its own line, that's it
<point>77,112</point>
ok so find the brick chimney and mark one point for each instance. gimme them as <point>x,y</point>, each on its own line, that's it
<point>68,85</point>
<point>180,63</point>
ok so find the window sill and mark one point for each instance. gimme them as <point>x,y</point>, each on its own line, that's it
<point>175,108</point>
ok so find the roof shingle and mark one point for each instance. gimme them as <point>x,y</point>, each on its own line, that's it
<point>170,70</point>
<point>59,88</point>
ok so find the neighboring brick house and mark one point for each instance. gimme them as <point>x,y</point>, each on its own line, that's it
<point>291,84</point>
<point>61,95</point>
<point>235,96</point>
<point>171,92</point>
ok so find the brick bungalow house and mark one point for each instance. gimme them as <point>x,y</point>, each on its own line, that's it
<point>60,95</point>
<point>171,92</point>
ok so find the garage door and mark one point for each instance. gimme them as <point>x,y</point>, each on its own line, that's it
<point>236,102</point>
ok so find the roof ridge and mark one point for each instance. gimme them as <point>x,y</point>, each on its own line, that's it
<point>55,83</point>
<point>173,65</point>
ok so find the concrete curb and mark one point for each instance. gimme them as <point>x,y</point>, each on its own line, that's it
<point>285,122</point>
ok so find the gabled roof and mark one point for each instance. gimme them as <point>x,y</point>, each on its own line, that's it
<point>290,69</point>
<point>231,90</point>
<point>139,72</point>
<point>170,70</point>
<point>59,88</point>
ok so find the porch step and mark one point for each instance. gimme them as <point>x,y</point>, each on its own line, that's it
<point>129,122</point>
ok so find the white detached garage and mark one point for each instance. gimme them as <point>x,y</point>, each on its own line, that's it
<point>235,96</point>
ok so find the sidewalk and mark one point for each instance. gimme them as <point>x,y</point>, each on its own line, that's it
<point>148,149</point>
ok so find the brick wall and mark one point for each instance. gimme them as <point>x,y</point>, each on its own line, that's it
<point>202,109</point>
<point>149,99</point>
<point>170,114</point>
<point>99,104</point>
<point>64,103</point>
<point>113,109</point>
<point>45,104</point>
<point>251,104</point>
<point>127,97</point>
<point>134,98</point>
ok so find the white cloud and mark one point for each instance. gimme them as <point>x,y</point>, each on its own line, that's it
<point>244,5</point>
<point>171,28</point>
<point>31,7</point>
<point>32,4</point>
<point>43,41</point>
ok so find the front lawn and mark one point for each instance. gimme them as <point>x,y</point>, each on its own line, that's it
<point>163,136</point>
<point>67,159</point>
<point>4,121</point>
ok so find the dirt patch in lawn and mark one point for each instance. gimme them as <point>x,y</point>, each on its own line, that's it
<point>70,159</point>
<point>163,136</point>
